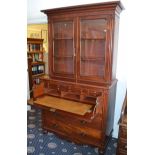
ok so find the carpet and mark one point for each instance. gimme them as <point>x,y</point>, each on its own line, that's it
<point>49,144</point>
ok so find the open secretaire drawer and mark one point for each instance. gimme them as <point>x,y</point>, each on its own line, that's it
<point>85,107</point>
<point>54,103</point>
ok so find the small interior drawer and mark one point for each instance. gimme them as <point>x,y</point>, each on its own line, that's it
<point>94,93</point>
<point>53,86</point>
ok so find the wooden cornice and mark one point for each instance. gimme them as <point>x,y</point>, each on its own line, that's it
<point>113,5</point>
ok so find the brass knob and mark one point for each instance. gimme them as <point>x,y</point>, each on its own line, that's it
<point>125,146</point>
<point>55,125</point>
<point>82,134</point>
<point>83,122</point>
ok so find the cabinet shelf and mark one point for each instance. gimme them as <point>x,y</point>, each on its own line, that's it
<point>33,52</point>
<point>37,75</point>
<point>37,63</point>
<point>63,38</point>
<point>92,38</point>
<point>64,56</point>
<point>92,58</point>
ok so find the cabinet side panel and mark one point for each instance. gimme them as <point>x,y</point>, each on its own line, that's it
<point>115,47</point>
<point>30,75</point>
<point>111,109</point>
<point>50,61</point>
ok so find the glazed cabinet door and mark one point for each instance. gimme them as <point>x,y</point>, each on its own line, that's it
<point>63,48</point>
<point>92,43</point>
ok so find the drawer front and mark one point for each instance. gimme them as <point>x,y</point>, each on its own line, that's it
<point>69,126</point>
<point>95,124</point>
<point>56,126</point>
<point>78,89</point>
<point>73,133</point>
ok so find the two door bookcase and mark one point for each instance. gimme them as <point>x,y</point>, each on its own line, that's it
<point>77,98</point>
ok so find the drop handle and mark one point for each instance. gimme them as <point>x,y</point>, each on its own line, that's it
<point>83,122</point>
<point>74,54</point>
<point>53,110</point>
<point>55,125</point>
<point>125,146</point>
<point>82,134</point>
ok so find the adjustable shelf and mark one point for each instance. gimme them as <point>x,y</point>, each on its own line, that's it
<point>37,63</point>
<point>33,52</point>
<point>63,38</point>
<point>37,75</point>
<point>92,58</point>
<point>92,38</point>
<point>63,56</point>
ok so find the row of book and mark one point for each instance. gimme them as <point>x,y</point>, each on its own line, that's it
<point>37,69</point>
<point>36,81</point>
<point>34,47</point>
<point>37,57</point>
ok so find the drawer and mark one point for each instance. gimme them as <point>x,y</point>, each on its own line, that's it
<point>94,124</point>
<point>94,93</point>
<point>53,86</point>
<point>56,126</point>
<point>74,133</point>
<point>69,126</point>
<point>71,119</point>
<point>84,138</point>
<point>57,86</point>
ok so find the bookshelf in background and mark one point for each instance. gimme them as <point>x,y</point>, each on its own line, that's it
<point>36,64</point>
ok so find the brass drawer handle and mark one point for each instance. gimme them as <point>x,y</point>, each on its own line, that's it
<point>53,110</point>
<point>83,122</point>
<point>55,125</point>
<point>82,134</point>
<point>125,146</point>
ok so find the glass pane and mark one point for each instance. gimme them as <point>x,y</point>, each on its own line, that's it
<point>63,46</point>
<point>92,47</point>
<point>92,68</point>
<point>63,29</point>
<point>62,65</point>
<point>93,28</point>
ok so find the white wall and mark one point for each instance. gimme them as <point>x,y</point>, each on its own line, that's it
<point>35,16</point>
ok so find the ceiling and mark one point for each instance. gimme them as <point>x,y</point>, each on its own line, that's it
<point>34,15</point>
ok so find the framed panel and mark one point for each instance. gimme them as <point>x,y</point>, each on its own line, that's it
<point>93,33</point>
<point>63,48</point>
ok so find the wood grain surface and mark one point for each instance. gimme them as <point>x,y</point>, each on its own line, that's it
<point>65,105</point>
